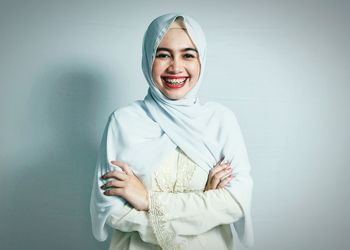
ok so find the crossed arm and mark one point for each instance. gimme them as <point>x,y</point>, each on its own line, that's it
<point>127,185</point>
<point>184,212</point>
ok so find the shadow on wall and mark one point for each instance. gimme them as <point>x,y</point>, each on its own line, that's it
<point>50,205</point>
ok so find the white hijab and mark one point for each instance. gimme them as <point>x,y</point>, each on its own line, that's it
<point>145,132</point>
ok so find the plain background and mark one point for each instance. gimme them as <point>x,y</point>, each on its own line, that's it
<point>281,66</point>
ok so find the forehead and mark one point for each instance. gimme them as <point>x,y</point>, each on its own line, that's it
<point>177,37</point>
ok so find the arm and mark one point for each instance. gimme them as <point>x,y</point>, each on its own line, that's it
<point>193,213</point>
<point>178,216</point>
<point>133,216</point>
<point>210,202</point>
<point>128,219</point>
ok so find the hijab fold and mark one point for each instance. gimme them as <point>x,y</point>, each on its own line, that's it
<point>144,133</point>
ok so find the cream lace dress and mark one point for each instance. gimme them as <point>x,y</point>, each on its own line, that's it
<point>181,215</point>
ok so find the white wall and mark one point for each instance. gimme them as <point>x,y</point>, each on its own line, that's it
<point>282,66</point>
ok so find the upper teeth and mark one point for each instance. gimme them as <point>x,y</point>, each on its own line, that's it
<point>177,80</point>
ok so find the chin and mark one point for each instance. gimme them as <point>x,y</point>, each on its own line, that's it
<point>174,97</point>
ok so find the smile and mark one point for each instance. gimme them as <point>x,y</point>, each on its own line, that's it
<point>174,82</point>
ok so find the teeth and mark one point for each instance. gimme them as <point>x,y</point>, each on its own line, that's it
<point>175,81</point>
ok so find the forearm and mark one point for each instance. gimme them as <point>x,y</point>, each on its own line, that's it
<point>194,213</point>
<point>129,219</point>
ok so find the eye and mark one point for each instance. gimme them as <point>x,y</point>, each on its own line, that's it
<point>162,55</point>
<point>189,56</point>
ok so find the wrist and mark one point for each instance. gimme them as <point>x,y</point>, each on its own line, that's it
<point>147,202</point>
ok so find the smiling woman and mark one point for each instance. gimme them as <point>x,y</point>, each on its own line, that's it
<point>172,173</point>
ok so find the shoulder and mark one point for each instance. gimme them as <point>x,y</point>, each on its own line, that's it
<point>221,112</point>
<point>226,122</point>
<point>132,112</point>
<point>134,109</point>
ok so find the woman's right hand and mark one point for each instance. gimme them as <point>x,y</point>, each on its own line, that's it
<point>127,185</point>
<point>219,176</point>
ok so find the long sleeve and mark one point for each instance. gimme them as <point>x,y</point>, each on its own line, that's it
<point>181,215</point>
<point>129,219</point>
<point>178,215</point>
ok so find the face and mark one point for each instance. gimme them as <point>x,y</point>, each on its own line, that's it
<point>176,66</point>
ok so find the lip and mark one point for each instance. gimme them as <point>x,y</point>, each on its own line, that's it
<point>174,77</point>
<point>174,86</point>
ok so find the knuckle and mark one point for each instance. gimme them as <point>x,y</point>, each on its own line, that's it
<point>216,178</point>
<point>112,173</point>
<point>121,191</point>
<point>117,192</point>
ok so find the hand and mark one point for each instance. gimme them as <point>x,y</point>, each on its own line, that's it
<point>127,185</point>
<point>219,176</point>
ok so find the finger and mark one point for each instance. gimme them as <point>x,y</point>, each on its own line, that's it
<point>113,184</point>
<point>116,175</point>
<point>225,181</point>
<point>223,173</point>
<point>124,166</point>
<point>219,168</point>
<point>114,192</point>
<point>215,180</point>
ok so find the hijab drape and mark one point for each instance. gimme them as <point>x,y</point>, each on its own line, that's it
<point>145,132</point>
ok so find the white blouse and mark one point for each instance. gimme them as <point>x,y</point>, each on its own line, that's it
<point>181,215</point>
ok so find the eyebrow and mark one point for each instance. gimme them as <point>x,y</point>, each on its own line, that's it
<point>169,50</point>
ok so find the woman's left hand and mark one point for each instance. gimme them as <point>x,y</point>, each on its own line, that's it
<point>127,185</point>
<point>219,176</point>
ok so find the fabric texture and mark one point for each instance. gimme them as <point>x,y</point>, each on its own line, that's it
<point>145,131</point>
<point>177,208</point>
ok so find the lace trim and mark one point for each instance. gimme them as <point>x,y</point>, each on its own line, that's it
<point>165,180</point>
<point>163,176</point>
<point>184,169</point>
<point>161,228</point>
<point>185,172</point>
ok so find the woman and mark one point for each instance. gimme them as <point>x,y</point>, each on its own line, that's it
<point>164,178</point>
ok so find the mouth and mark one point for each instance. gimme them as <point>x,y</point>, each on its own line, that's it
<point>174,82</point>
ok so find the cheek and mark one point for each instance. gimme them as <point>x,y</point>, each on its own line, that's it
<point>195,70</point>
<point>157,69</point>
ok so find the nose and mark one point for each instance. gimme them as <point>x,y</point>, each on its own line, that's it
<point>176,66</point>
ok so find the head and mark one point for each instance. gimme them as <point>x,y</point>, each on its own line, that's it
<point>173,57</point>
<point>176,66</point>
